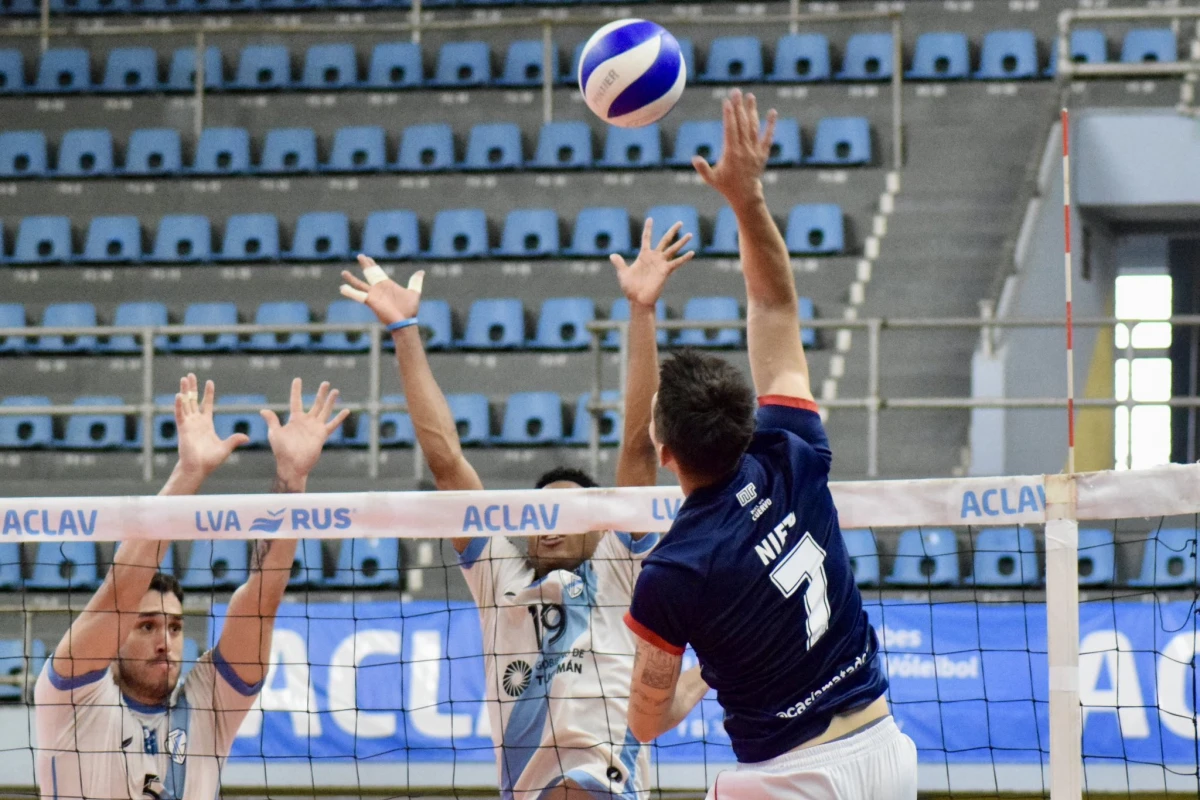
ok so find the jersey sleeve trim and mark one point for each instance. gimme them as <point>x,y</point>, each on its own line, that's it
<point>650,636</point>
<point>790,402</point>
<point>226,671</point>
<point>468,557</point>
<point>72,683</point>
<point>637,546</point>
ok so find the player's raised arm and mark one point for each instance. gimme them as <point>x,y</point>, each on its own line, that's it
<point>773,324</point>
<point>245,643</point>
<point>94,637</point>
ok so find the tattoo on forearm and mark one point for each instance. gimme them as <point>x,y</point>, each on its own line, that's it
<point>261,550</point>
<point>658,668</point>
<point>282,486</point>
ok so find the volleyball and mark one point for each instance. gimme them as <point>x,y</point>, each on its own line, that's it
<point>631,72</point>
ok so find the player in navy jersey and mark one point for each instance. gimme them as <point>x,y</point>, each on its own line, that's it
<point>754,573</point>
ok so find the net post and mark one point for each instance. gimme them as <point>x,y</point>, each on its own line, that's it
<point>1062,638</point>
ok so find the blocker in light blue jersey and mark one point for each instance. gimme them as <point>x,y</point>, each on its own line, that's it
<point>631,73</point>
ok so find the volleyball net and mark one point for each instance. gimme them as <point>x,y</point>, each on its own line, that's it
<point>1039,632</point>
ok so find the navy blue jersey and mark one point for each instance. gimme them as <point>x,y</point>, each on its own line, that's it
<point>754,575</point>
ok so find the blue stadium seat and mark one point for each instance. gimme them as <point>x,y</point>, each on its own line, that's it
<point>191,654</point>
<point>815,229</point>
<point>532,418</point>
<point>12,71</point>
<point>165,436</point>
<point>289,150</point>
<point>281,313</point>
<point>734,59</point>
<point>463,64</point>
<point>1005,557</point>
<point>562,323</point>
<point>248,422</point>
<point>222,151</point>
<point>494,146</point>
<point>926,558</point>
<point>89,6</point>
<point>1149,45</point>
<point>95,431</point>
<point>632,148</point>
<point>20,8</point>
<point>864,556</point>
<point>181,77</point>
<point>610,421</point>
<point>563,145</point>
<point>842,140</point>
<point>495,324</point>
<point>436,324</point>
<point>395,65</point>
<point>620,313</point>
<point>697,137</point>
<point>600,231</point>
<point>1007,55</point>
<point>153,151</point>
<point>345,312</point>
<point>725,234</point>
<point>321,236</point>
<point>131,69</point>
<point>67,315</point>
<point>360,148</point>
<point>43,240</point>
<point>808,336</point>
<point>710,309</point>
<point>65,565</point>
<point>426,147</point>
<point>64,71</point>
<point>1088,46</point>
<point>12,315</point>
<point>1097,557</point>
<point>571,76</point>
<point>1169,559</point>
<point>209,314</point>
<point>395,427</point>
<point>941,56</point>
<point>391,234</point>
<point>85,153</point>
<point>868,57</point>
<point>263,67</point>
<point>182,238</point>
<point>250,237</point>
<point>15,666</point>
<point>22,154</point>
<point>801,58</point>
<point>28,430</point>
<point>688,51</point>
<point>786,150</point>
<point>529,233</point>
<point>459,233</point>
<point>472,418</point>
<point>10,569</point>
<point>136,314</point>
<point>330,66</point>
<point>666,216</point>
<point>220,564</point>
<point>308,566</point>
<point>367,564</point>
<point>523,64</point>
<point>113,240</point>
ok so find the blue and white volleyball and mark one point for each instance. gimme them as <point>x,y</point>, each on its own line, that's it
<point>631,72</point>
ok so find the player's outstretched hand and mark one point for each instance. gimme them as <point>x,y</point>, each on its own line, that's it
<point>390,301</point>
<point>200,449</point>
<point>297,445</point>
<point>737,175</point>
<point>643,281</point>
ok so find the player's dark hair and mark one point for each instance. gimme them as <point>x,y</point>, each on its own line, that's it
<point>166,584</point>
<point>567,474</point>
<point>704,414</point>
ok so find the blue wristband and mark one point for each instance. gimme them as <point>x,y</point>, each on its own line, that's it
<point>404,323</point>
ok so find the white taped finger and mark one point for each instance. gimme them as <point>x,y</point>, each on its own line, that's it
<point>352,293</point>
<point>417,281</point>
<point>192,396</point>
<point>374,274</point>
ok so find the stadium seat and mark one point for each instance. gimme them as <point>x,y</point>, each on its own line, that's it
<point>222,151</point>
<point>725,234</point>
<point>529,233</point>
<point>496,324</point>
<point>940,56</point>
<point>181,77</point>
<point>733,59</point>
<point>868,57</point>
<point>330,66</point>
<point>113,240</point>
<point>786,150</point>
<point>1008,55</point>
<point>208,314</point>
<point>346,312</point>
<point>64,71</point>
<point>85,153</point>
<point>15,666</point>
<point>191,652</point>
<point>808,336</point>
<point>22,154</point>
<point>139,314</point>
<point>289,150</point>
<point>436,324</point>
<point>67,315</point>
<point>610,421</point>
<point>925,558</point>
<point>710,309</point>
<point>250,237</point>
<point>281,313</point>
<point>801,57</point>
<point>666,216</point>
<point>12,71</point>
<point>472,418</point>
<point>95,431</point>
<point>494,146</point>
<point>395,427</point>
<point>688,51</point>
<point>1097,557</point>
<point>183,238</point>
<point>562,323</point>
<point>459,233</point>
<point>815,229</point>
<point>571,76</point>
<point>29,429</point>
<point>220,564</point>
<point>1169,559</point>
<point>1088,46</point>
<point>12,315</point>
<point>367,564</point>
<point>263,67</point>
<point>43,240</point>
<point>360,148</point>
<point>620,313</point>
<point>250,423</point>
<point>632,148</point>
<point>165,435</point>
<point>321,236</point>
<point>563,145</point>
<point>153,151</point>
<point>66,565</point>
<point>842,140</point>
<point>10,567</point>
<point>1005,557</point>
<point>426,147</point>
<point>395,65</point>
<point>523,64</point>
<point>391,235</point>
<point>131,69</point>
<point>463,64</point>
<point>864,556</point>
<point>1149,46</point>
<point>532,418</point>
<point>308,566</point>
<point>697,137</point>
<point>19,8</point>
<point>600,231</point>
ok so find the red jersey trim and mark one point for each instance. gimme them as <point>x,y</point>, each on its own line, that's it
<point>650,636</point>
<point>790,402</point>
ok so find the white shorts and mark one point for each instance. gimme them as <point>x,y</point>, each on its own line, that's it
<point>880,763</point>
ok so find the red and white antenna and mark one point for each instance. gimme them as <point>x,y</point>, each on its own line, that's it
<point>1066,172</point>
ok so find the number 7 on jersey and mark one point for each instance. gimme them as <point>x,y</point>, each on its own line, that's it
<point>806,562</point>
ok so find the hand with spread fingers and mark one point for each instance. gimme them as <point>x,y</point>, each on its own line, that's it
<point>642,282</point>
<point>390,301</point>
<point>201,451</point>
<point>738,174</point>
<point>297,445</point>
